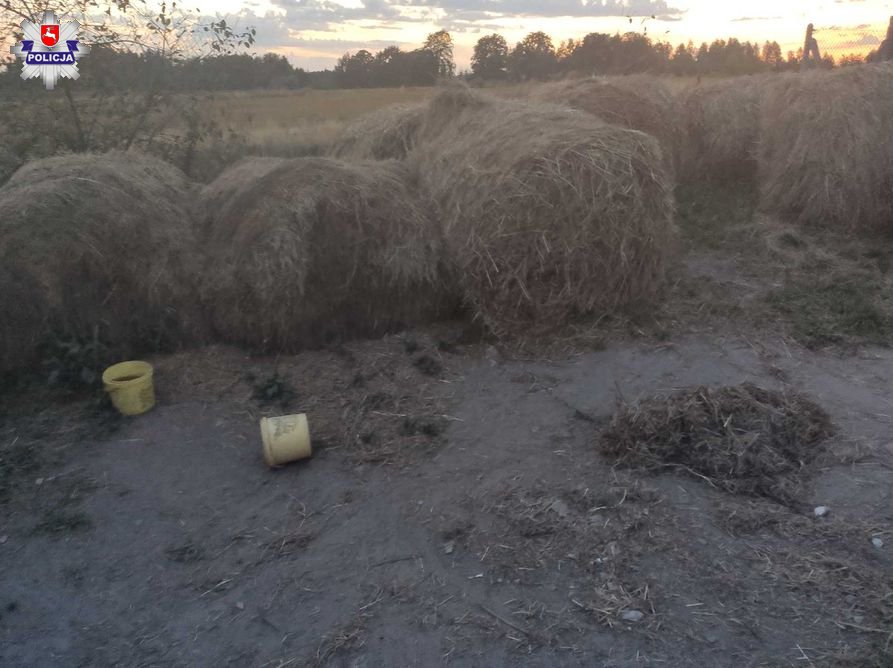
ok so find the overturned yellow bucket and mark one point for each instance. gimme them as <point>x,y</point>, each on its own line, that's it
<point>130,387</point>
<point>286,439</point>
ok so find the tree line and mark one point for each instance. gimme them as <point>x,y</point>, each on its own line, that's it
<point>533,58</point>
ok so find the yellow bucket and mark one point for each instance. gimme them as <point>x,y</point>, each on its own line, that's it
<point>130,387</point>
<point>286,439</point>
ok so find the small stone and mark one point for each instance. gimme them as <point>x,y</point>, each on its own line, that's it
<point>560,508</point>
<point>632,616</point>
<point>38,482</point>
<point>449,547</point>
<point>3,540</point>
<point>877,542</point>
<point>240,605</point>
<point>821,511</point>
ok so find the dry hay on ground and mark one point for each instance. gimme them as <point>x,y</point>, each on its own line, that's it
<point>387,134</point>
<point>318,250</point>
<point>827,148</point>
<point>638,102</point>
<point>9,163</point>
<point>743,439</point>
<point>722,129</point>
<point>549,214</point>
<point>99,248</point>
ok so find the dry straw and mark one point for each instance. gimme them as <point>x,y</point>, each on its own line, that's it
<point>827,148</point>
<point>743,439</point>
<point>639,102</point>
<point>317,250</point>
<point>549,214</point>
<point>722,129</point>
<point>389,133</point>
<point>95,246</point>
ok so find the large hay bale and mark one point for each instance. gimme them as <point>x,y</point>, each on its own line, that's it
<point>743,439</point>
<point>639,102</point>
<point>826,153</point>
<point>722,121</point>
<point>102,248</point>
<point>224,191</point>
<point>549,213</point>
<point>318,250</point>
<point>385,134</point>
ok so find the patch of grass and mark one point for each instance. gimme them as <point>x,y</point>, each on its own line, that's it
<point>835,311</point>
<point>59,522</point>
<point>709,215</point>
<point>273,389</point>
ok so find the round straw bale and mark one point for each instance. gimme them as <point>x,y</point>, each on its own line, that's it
<point>827,148</point>
<point>223,192</point>
<point>102,248</point>
<point>639,102</point>
<point>549,213</point>
<point>385,134</point>
<point>318,250</point>
<point>722,129</point>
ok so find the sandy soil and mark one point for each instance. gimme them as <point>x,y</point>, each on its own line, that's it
<point>454,512</point>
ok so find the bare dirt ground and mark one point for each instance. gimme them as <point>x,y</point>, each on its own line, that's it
<point>457,509</point>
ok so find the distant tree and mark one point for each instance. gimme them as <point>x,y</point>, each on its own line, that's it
<point>388,69</point>
<point>491,58</point>
<point>355,71</point>
<point>594,54</point>
<point>440,45</point>
<point>566,50</point>
<point>771,56</point>
<point>533,58</point>
<point>683,60</point>
<point>635,53</point>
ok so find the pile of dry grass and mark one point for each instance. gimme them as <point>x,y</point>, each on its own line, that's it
<point>95,247</point>
<point>639,102</point>
<point>387,134</point>
<point>549,214</point>
<point>722,129</point>
<point>827,148</point>
<point>317,250</point>
<point>743,439</point>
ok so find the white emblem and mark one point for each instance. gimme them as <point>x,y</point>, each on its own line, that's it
<point>50,49</point>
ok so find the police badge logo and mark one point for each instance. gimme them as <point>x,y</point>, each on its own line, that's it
<point>50,49</point>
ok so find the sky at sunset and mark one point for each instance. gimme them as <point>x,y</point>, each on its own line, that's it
<point>314,33</point>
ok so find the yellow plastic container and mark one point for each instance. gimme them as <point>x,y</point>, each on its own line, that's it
<point>286,439</point>
<point>130,387</point>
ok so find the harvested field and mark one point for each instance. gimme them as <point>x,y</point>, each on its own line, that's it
<point>549,215</point>
<point>745,440</point>
<point>315,250</point>
<point>98,249</point>
<point>826,158</point>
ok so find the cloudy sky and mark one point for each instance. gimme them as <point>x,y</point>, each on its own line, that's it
<point>313,33</point>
